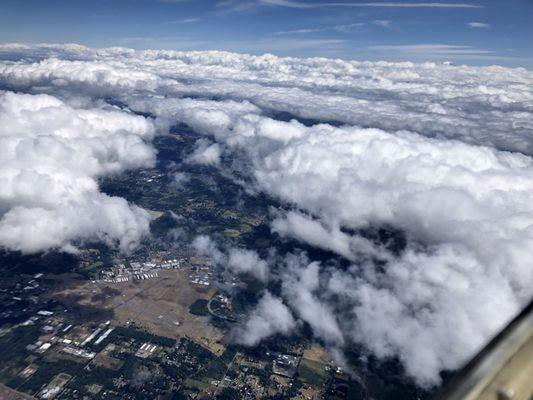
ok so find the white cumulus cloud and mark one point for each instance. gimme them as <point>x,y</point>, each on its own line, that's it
<point>51,156</point>
<point>270,317</point>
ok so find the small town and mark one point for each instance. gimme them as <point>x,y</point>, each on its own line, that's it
<point>151,352</point>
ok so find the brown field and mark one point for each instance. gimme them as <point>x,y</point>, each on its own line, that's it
<point>283,381</point>
<point>309,393</point>
<point>317,353</point>
<point>159,305</point>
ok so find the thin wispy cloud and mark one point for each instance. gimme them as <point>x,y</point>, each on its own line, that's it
<point>299,31</point>
<point>435,52</point>
<point>184,21</point>
<point>340,28</point>
<point>432,49</point>
<point>297,4</point>
<point>475,25</point>
<point>384,23</point>
<point>231,6</point>
<point>274,45</point>
<point>348,27</point>
<point>287,3</point>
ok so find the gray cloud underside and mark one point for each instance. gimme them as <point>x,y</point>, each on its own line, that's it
<point>439,152</point>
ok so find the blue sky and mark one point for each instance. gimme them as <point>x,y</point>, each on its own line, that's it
<point>472,32</point>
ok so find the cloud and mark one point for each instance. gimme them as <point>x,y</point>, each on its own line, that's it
<point>434,49</point>
<point>340,28</point>
<point>234,259</point>
<point>230,6</point>
<point>235,6</point>
<point>378,4</point>
<point>299,31</point>
<point>51,155</point>
<point>384,23</point>
<point>80,77</point>
<point>307,230</point>
<point>287,45</point>
<point>269,318</point>
<point>247,261</point>
<point>354,97</point>
<point>287,3</point>
<point>446,52</point>
<point>184,21</point>
<point>434,324</point>
<point>406,5</point>
<point>141,375</point>
<point>206,247</point>
<point>300,286</point>
<point>478,25</point>
<point>205,153</point>
<point>179,179</point>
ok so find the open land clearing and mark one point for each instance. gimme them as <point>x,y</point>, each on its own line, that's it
<point>161,306</point>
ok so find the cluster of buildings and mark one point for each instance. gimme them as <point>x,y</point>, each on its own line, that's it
<point>56,332</point>
<point>285,365</point>
<point>130,270</point>
<point>60,340</point>
<point>202,275</point>
<point>202,270</point>
<point>138,270</point>
<point>146,350</point>
<point>150,176</point>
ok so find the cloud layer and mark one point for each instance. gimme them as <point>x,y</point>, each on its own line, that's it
<point>439,153</point>
<point>489,105</point>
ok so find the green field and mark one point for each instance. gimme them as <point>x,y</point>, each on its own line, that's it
<point>313,372</point>
<point>193,383</point>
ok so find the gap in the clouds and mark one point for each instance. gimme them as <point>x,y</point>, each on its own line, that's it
<point>391,238</point>
<point>284,116</point>
<point>201,191</point>
<point>308,122</point>
<point>229,186</point>
<point>205,185</point>
<point>225,187</point>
